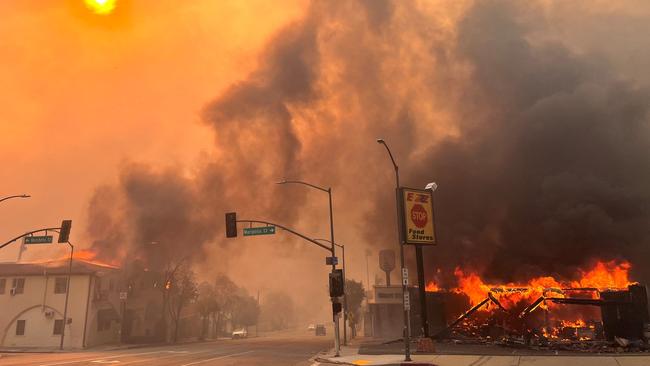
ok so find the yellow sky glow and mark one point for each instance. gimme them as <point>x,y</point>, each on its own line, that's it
<point>103,7</point>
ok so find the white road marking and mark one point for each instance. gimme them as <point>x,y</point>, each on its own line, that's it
<point>216,358</point>
<point>101,358</point>
<point>162,358</point>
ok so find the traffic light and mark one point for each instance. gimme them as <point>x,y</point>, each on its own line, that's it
<point>336,308</point>
<point>336,283</point>
<point>64,233</point>
<point>231,225</point>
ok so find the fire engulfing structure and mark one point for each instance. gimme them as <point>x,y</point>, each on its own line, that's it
<point>601,305</point>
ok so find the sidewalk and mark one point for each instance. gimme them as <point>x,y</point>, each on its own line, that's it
<point>350,356</point>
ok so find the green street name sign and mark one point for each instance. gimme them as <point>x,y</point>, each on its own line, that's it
<point>39,239</point>
<point>264,230</point>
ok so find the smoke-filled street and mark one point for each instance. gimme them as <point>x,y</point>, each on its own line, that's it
<point>288,348</point>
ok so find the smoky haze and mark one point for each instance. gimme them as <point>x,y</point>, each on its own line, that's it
<point>540,149</point>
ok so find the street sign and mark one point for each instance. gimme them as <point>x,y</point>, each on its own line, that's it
<point>417,216</point>
<point>123,295</point>
<point>407,301</point>
<point>38,239</point>
<point>405,276</point>
<point>332,261</point>
<point>263,230</point>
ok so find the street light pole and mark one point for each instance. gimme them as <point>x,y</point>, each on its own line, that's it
<point>407,320</point>
<point>420,263</point>
<point>337,340</point>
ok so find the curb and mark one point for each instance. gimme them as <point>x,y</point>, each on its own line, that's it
<point>325,361</point>
<point>32,351</point>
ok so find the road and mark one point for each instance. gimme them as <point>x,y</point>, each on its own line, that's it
<point>283,349</point>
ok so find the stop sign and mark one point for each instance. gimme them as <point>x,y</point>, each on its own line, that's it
<point>419,215</point>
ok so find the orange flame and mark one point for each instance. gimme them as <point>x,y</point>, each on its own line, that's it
<point>432,287</point>
<point>604,275</point>
<point>87,255</point>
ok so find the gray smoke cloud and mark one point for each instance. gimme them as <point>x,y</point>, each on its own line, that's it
<point>540,150</point>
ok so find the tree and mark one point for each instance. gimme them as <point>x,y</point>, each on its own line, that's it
<point>355,294</point>
<point>245,312</point>
<point>182,290</point>
<point>225,291</point>
<point>278,310</point>
<point>206,305</point>
<point>168,276</point>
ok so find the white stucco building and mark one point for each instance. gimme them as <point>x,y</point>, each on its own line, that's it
<point>32,297</point>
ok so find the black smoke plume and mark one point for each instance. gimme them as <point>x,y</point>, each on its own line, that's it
<point>541,150</point>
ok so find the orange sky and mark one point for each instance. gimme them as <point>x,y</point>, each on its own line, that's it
<point>81,93</point>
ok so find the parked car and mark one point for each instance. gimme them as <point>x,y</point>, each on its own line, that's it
<point>320,330</point>
<point>311,327</point>
<point>240,333</point>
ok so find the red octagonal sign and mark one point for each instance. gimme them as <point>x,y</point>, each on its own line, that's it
<point>419,215</point>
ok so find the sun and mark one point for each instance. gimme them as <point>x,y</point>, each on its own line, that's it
<point>103,7</point>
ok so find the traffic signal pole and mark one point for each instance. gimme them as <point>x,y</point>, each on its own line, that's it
<point>231,231</point>
<point>67,295</point>
<point>337,336</point>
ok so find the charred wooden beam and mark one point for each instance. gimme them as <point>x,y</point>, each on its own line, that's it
<point>530,308</point>
<point>462,317</point>
<point>496,301</point>
<point>578,301</point>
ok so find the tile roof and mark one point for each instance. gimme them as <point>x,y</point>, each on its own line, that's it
<point>54,267</point>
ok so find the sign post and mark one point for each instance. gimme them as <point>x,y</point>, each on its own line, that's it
<point>418,228</point>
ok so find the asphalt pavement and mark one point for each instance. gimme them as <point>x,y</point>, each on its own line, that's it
<point>286,349</point>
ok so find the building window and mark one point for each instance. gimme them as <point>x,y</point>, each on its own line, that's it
<point>19,285</point>
<point>20,327</point>
<point>3,284</point>
<point>60,285</point>
<point>58,327</point>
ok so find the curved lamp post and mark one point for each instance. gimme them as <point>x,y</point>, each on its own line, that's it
<point>329,193</point>
<point>407,320</point>
<point>15,196</point>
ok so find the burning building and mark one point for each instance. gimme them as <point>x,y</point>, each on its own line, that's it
<point>602,304</point>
